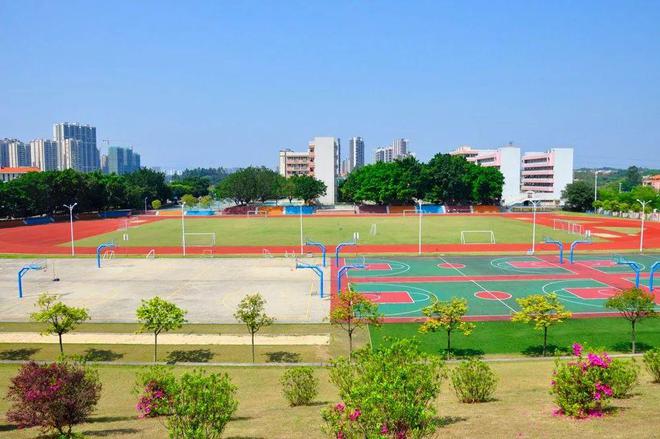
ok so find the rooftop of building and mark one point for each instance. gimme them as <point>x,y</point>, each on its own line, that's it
<point>19,170</point>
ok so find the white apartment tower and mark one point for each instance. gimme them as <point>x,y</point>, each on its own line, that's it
<point>324,154</point>
<point>546,174</point>
<point>82,154</point>
<point>355,154</point>
<point>44,154</point>
<point>18,154</point>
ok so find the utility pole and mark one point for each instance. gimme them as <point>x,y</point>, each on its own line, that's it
<point>70,207</point>
<point>534,205</point>
<point>641,235</point>
<point>596,185</point>
<point>183,228</point>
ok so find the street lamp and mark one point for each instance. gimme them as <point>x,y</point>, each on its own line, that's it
<point>145,204</point>
<point>183,228</point>
<point>596,185</point>
<point>301,230</point>
<point>70,207</point>
<point>535,203</point>
<point>641,235</point>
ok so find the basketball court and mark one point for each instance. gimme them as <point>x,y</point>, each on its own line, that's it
<point>402,287</point>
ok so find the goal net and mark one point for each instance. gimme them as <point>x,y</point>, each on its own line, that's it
<point>204,242</point>
<point>477,237</point>
<point>570,227</point>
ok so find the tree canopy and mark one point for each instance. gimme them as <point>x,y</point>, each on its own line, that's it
<point>579,196</point>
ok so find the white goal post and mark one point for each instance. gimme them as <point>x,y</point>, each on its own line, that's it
<point>409,212</point>
<point>487,236</point>
<point>204,241</point>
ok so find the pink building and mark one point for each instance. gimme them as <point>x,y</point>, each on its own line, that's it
<point>653,181</point>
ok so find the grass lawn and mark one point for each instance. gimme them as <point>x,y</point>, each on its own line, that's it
<point>329,230</point>
<point>504,337</point>
<point>522,408</point>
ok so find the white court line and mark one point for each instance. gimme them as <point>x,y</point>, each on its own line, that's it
<point>477,284</point>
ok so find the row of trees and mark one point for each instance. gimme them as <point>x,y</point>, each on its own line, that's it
<point>260,184</point>
<point>46,193</point>
<point>444,179</point>
<point>579,197</point>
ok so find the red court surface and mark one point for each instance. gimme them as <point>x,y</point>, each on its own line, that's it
<point>388,296</point>
<point>598,263</point>
<point>531,264</point>
<point>378,266</point>
<point>593,293</point>
<point>451,266</point>
<point>492,295</point>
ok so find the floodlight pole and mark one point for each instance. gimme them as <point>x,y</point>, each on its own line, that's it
<point>641,235</point>
<point>183,228</point>
<point>145,204</point>
<point>70,207</point>
<point>302,242</point>
<point>419,246</point>
<point>534,204</point>
<point>596,185</point>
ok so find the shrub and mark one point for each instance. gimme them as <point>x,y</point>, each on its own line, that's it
<point>652,363</point>
<point>156,204</point>
<point>203,405</point>
<point>582,387</point>
<point>155,387</point>
<point>299,385</point>
<point>53,396</point>
<point>624,376</point>
<point>473,381</point>
<point>388,392</point>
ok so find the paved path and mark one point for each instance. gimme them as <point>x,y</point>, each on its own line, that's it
<point>166,339</point>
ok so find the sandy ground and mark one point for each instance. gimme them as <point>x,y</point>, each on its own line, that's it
<point>166,339</point>
<point>209,289</point>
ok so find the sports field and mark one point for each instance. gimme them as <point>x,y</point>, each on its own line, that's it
<point>437,229</point>
<point>402,287</point>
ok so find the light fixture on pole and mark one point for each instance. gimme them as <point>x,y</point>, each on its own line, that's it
<point>183,228</point>
<point>641,235</point>
<point>70,207</point>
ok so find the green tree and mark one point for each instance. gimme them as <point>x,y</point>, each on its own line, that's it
<point>447,179</point>
<point>353,311</point>
<point>156,204</point>
<point>288,188</point>
<point>205,201</point>
<point>579,196</point>
<point>632,178</point>
<point>157,315</point>
<point>447,316</point>
<point>543,311</point>
<point>487,184</point>
<point>634,305</point>
<point>189,199</point>
<point>250,184</point>
<point>308,188</point>
<point>390,391</point>
<point>58,317</point>
<point>251,312</point>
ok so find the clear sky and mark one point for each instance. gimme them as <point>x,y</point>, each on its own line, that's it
<point>229,83</point>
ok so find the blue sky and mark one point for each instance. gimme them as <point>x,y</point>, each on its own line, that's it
<point>231,82</point>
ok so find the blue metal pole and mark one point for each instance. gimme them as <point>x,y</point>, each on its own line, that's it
<point>341,272</point>
<point>575,243</point>
<point>654,267</point>
<point>315,269</point>
<point>21,272</point>
<point>338,249</point>
<point>560,245</point>
<point>319,245</point>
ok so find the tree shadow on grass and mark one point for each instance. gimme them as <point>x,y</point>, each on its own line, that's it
<point>8,427</point>
<point>103,419</point>
<point>444,421</point>
<point>101,355</point>
<point>283,357</point>
<point>626,347</point>
<point>193,356</point>
<point>18,354</point>
<point>463,353</point>
<point>551,349</point>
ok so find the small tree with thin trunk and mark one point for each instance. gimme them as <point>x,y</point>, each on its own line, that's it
<point>352,311</point>
<point>634,305</point>
<point>251,312</point>
<point>157,315</point>
<point>59,318</point>
<point>447,316</point>
<point>542,310</point>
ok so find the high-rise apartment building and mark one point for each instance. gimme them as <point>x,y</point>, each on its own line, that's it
<point>384,154</point>
<point>4,152</point>
<point>44,154</point>
<point>19,154</point>
<point>324,155</point>
<point>122,160</point>
<point>81,154</point>
<point>397,150</point>
<point>293,163</point>
<point>355,154</point>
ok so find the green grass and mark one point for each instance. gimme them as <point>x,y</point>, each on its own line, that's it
<point>329,230</point>
<point>522,408</point>
<point>493,338</point>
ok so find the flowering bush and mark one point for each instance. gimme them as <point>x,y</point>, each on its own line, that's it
<point>386,393</point>
<point>652,363</point>
<point>299,385</point>
<point>156,387</point>
<point>582,388</point>
<point>53,396</point>
<point>624,376</point>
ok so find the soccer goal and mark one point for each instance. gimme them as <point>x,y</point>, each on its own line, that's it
<point>205,242</point>
<point>477,237</point>
<point>409,212</point>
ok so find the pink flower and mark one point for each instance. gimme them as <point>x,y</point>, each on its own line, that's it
<point>340,407</point>
<point>557,412</point>
<point>577,349</point>
<point>356,414</point>
<point>596,361</point>
<point>340,435</point>
<point>597,396</point>
<point>595,414</point>
<point>383,429</point>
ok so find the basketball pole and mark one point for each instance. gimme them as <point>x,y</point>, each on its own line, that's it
<point>419,247</point>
